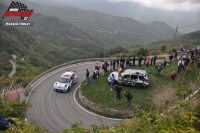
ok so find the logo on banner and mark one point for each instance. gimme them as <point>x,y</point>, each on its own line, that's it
<point>17,9</point>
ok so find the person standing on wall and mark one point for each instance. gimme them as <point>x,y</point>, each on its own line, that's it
<point>87,76</point>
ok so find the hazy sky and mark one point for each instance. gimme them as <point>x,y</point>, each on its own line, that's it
<point>170,5</point>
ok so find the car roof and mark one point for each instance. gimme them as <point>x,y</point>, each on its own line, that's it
<point>134,71</point>
<point>67,74</point>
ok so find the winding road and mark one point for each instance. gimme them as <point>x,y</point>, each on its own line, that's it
<point>58,111</point>
<point>14,68</point>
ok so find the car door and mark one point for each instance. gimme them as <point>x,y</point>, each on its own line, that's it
<point>134,79</point>
<point>141,79</point>
<point>126,79</point>
<point>71,81</point>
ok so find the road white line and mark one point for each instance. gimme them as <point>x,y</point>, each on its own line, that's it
<point>74,95</point>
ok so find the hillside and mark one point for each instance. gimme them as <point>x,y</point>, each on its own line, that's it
<point>50,42</point>
<point>113,30</point>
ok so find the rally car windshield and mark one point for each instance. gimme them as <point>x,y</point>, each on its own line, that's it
<point>63,80</point>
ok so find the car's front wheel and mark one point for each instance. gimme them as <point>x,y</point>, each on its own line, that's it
<point>68,89</point>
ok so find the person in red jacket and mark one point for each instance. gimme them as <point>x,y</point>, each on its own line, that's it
<point>173,75</point>
<point>148,62</point>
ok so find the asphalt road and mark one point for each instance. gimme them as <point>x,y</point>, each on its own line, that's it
<point>58,111</point>
<point>14,68</point>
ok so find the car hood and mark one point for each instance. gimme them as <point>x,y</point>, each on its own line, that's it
<point>58,84</point>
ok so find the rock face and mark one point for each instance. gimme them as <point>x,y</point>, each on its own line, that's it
<point>103,111</point>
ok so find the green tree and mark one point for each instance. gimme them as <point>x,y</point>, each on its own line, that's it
<point>163,48</point>
<point>142,51</point>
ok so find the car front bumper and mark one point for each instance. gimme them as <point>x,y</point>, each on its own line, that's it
<point>60,90</point>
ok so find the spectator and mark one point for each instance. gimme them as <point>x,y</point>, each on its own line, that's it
<point>181,55</point>
<point>187,61</point>
<point>173,75</point>
<point>147,62</point>
<point>106,63</point>
<point>103,68</point>
<point>154,60</point>
<point>175,60</point>
<point>180,65</point>
<point>129,58</point>
<point>96,72</point>
<point>158,69</point>
<point>97,69</point>
<point>139,61</point>
<point>175,55</point>
<point>114,64</point>
<point>94,77</point>
<point>133,60</point>
<point>118,89</point>
<point>127,63</point>
<point>164,64</point>
<point>117,62</point>
<point>196,51</point>
<point>112,80</point>
<point>4,123</point>
<point>87,76</point>
<point>128,96</point>
<point>122,65</point>
<point>111,63</point>
<point>170,59</point>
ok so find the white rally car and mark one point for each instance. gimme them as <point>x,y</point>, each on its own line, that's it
<point>65,82</point>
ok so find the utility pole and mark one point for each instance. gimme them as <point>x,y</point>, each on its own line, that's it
<point>175,37</point>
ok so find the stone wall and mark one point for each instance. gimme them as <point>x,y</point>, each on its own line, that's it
<point>104,111</point>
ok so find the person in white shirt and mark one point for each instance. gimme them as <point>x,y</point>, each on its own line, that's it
<point>180,65</point>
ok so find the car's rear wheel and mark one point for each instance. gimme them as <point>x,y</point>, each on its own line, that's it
<point>138,86</point>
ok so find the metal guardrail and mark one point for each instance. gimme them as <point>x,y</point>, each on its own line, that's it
<point>32,84</point>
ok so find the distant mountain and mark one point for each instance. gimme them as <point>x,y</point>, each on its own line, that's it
<point>50,42</point>
<point>140,13</point>
<point>112,30</point>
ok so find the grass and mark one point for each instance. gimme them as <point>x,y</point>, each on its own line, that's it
<point>142,98</point>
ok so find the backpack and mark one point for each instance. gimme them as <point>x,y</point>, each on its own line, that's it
<point>180,65</point>
<point>94,76</point>
<point>107,64</point>
<point>130,96</point>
